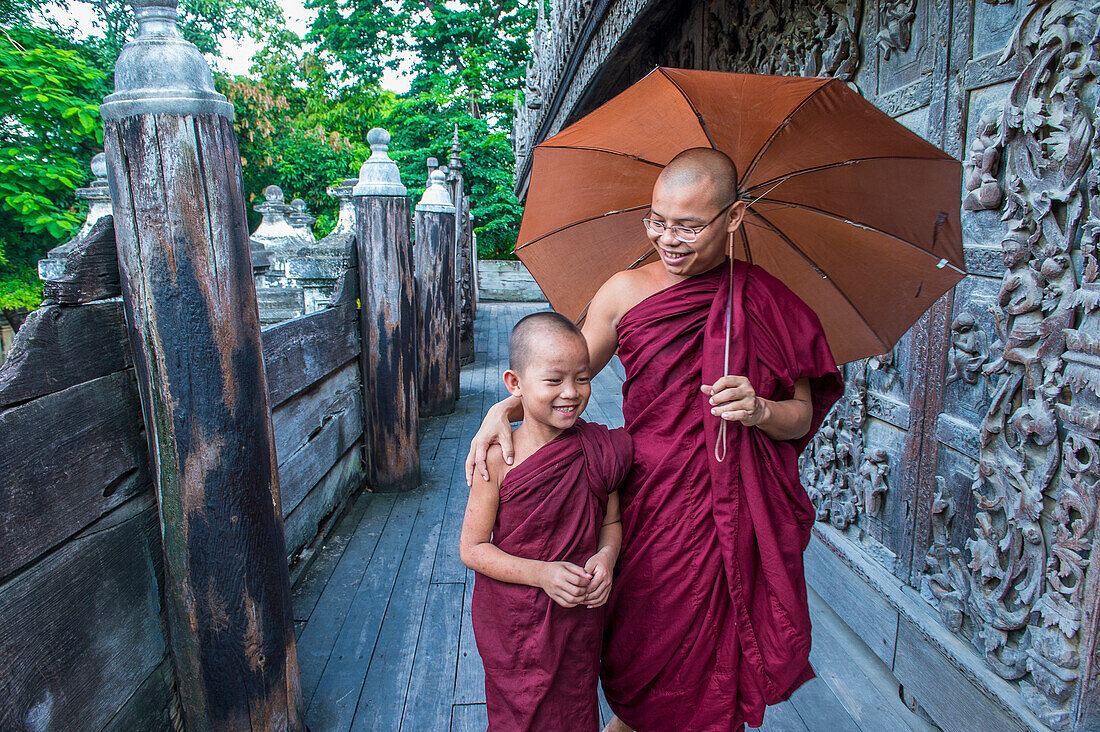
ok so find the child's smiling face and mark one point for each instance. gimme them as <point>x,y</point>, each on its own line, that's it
<point>555,383</point>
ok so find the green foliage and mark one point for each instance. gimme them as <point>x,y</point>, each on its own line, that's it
<point>203,22</point>
<point>470,61</point>
<point>303,113</point>
<point>49,92</point>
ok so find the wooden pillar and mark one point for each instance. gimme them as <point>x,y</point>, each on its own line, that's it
<point>387,319</point>
<point>465,286</point>
<point>436,308</point>
<point>190,301</point>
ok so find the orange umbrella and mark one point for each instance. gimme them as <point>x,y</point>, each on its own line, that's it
<point>855,213</point>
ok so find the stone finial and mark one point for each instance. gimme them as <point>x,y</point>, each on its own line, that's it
<point>98,197</point>
<point>436,197</point>
<point>158,72</point>
<point>432,165</point>
<point>301,220</point>
<point>274,229</point>
<point>379,175</point>
<point>456,151</point>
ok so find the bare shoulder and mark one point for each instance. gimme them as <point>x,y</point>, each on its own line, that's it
<point>494,463</point>
<point>625,289</point>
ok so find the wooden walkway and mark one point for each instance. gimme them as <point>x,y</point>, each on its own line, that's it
<point>383,613</point>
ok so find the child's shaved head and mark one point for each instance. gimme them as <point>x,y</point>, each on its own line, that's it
<point>532,329</point>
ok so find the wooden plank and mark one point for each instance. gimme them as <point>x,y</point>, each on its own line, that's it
<point>820,709</point>
<point>300,352</point>
<point>470,674</point>
<point>345,477</point>
<point>80,454</point>
<point>431,688</point>
<point>90,270</point>
<point>148,707</point>
<point>296,420</point>
<point>305,468</point>
<point>307,592</point>
<point>468,416</point>
<point>469,718</point>
<point>863,683</point>
<point>386,684</point>
<point>332,609</point>
<point>783,718</point>
<point>82,629</point>
<point>606,713</point>
<point>938,686</point>
<point>341,683</point>
<point>59,347</point>
<point>863,609</point>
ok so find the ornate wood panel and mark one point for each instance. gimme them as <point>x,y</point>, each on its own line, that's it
<point>965,463</point>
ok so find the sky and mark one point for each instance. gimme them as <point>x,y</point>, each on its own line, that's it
<point>236,56</point>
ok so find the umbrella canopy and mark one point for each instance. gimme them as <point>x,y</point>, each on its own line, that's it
<point>855,213</point>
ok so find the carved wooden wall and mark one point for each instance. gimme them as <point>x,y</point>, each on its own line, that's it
<point>964,464</point>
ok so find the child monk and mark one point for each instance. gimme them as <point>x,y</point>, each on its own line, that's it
<point>543,534</point>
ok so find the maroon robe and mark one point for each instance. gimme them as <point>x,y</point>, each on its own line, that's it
<point>541,659</point>
<point>708,620</point>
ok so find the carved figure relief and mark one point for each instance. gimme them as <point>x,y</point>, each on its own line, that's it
<point>897,18</point>
<point>969,350</point>
<point>981,168</point>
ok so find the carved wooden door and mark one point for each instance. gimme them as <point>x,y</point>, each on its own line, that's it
<point>1010,464</point>
<point>864,468</point>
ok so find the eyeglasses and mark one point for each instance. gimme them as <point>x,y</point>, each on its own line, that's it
<point>685,234</point>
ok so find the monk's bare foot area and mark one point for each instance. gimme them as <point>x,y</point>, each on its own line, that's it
<point>617,725</point>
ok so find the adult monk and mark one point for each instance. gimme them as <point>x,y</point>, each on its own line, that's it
<point>708,621</point>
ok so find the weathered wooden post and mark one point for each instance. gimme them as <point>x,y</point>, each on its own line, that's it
<point>437,310</point>
<point>175,180</point>
<point>465,286</point>
<point>387,320</point>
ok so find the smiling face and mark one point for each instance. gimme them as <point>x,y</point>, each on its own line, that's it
<point>554,382</point>
<point>691,205</point>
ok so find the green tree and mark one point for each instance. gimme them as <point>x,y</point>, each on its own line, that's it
<point>470,60</point>
<point>49,93</point>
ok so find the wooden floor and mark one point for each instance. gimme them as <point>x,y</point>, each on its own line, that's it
<point>383,613</point>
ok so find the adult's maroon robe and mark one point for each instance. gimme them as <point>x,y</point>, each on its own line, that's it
<point>708,621</point>
<point>542,660</point>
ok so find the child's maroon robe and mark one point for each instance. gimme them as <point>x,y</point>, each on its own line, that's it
<point>541,659</point>
<point>708,620</point>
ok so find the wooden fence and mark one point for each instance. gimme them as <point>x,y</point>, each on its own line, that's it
<point>84,587</point>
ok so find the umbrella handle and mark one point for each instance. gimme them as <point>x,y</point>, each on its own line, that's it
<point>720,442</point>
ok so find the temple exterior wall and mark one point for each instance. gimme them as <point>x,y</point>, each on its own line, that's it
<point>957,481</point>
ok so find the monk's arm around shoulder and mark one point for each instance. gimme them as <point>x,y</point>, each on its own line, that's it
<point>565,583</point>
<point>601,335</point>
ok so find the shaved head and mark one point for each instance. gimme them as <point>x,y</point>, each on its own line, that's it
<point>703,165</point>
<point>534,330</point>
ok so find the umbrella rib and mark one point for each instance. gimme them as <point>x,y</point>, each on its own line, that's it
<point>578,222</point>
<point>851,161</point>
<point>778,128</point>
<point>698,116</point>
<point>835,217</point>
<point>544,146</point>
<point>825,276</point>
<point>634,265</point>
